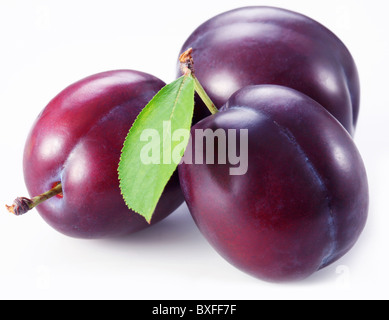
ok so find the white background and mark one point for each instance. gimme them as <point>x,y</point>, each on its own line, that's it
<point>47,45</point>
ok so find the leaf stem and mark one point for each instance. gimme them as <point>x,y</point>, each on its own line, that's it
<point>187,67</point>
<point>23,205</point>
<point>204,96</point>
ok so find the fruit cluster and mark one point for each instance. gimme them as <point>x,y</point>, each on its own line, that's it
<point>301,203</point>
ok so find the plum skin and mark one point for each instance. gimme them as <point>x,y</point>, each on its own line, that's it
<point>77,140</point>
<point>265,45</point>
<point>303,202</point>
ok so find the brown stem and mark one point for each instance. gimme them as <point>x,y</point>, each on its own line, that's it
<point>23,205</point>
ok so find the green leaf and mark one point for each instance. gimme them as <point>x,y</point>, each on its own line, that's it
<point>155,144</point>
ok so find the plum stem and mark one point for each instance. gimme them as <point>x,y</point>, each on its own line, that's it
<point>23,205</point>
<point>187,67</point>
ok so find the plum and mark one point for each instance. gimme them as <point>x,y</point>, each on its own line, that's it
<point>301,204</point>
<point>266,45</point>
<point>76,144</point>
